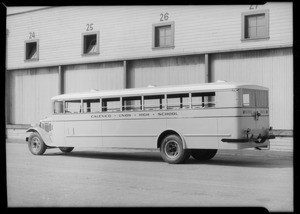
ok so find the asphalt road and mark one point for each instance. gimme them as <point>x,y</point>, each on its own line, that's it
<point>138,178</point>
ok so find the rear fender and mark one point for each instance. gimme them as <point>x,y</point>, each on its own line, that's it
<point>168,132</point>
<point>44,135</point>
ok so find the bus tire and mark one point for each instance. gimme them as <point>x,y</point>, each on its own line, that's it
<point>66,149</point>
<point>203,154</point>
<point>172,150</point>
<point>36,144</point>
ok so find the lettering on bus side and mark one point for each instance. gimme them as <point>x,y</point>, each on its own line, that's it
<point>101,116</point>
<point>130,115</point>
<point>167,114</point>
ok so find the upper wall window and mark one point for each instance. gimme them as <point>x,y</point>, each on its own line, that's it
<point>255,25</point>
<point>31,50</point>
<point>163,35</point>
<point>90,43</point>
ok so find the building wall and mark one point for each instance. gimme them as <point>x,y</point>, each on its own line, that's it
<point>126,32</point>
<point>270,68</point>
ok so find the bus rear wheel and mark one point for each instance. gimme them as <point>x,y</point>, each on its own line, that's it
<point>66,149</point>
<point>36,144</point>
<point>203,154</point>
<point>172,150</point>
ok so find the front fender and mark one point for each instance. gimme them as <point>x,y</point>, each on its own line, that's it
<point>44,135</point>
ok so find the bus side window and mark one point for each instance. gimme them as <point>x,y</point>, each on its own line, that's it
<point>72,106</point>
<point>261,98</point>
<point>177,101</point>
<point>91,105</point>
<point>111,104</point>
<point>203,100</point>
<point>154,102</point>
<point>58,107</point>
<point>132,103</point>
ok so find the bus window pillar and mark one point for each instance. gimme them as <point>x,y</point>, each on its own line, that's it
<point>142,103</point>
<point>100,104</point>
<point>165,102</point>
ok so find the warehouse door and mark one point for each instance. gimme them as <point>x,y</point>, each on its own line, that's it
<point>166,71</point>
<point>100,76</point>
<point>30,92</point>
<point>271,68</point>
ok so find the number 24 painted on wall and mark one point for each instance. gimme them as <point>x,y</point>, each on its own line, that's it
<point>31,35</point>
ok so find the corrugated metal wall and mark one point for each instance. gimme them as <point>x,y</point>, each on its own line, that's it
<point>30,92</point>
<point>100,76</point>
<point>269,68</point>
<point>166,71</point>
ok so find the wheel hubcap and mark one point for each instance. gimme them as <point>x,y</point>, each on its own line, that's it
<point>36,144</point>
<point>172,149</point>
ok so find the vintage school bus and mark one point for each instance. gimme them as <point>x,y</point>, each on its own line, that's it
<point>180,121</point>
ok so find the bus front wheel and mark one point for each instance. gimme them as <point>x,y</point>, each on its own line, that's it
<point>36,144</point>
<point>66,149</point>
<point>203,154</point>
<point>172,150</point>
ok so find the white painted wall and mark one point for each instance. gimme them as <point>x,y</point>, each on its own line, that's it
<point>126,31</point>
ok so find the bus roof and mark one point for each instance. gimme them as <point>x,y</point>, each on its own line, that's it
<point>205,87</point>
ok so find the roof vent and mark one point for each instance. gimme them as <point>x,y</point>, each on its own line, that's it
<point>93,90</point>
<point>151,86</point>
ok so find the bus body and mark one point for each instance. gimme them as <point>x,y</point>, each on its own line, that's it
<point>181,120</point>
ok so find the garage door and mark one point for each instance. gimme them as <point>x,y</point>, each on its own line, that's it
<point>30,92</point>
<point>100,76</point>
<point>166,71</point>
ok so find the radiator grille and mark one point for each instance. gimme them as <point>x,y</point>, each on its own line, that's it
<point>47,127</point>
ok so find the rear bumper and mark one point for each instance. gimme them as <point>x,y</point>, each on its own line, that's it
<point>259,139</point>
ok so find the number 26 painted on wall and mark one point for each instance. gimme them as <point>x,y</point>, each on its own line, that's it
<point>164,17</point>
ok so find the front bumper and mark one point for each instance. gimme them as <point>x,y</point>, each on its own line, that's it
<point>259,139</point>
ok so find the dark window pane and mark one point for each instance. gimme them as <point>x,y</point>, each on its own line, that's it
<point>31,50</point>
<point>90,44</point>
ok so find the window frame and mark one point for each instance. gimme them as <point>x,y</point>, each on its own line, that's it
<point>253,13</point>
<point>66,108</point>
<point>131,107</point>
<point>37,50</point>
<point>208,100</point>
<point>104,106</point>
<point>162,102</point>
<point>157,25</point>
<point>54,106</point>
<point>89,109</point>
<point>181,104</point>
<point>97,33</point>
